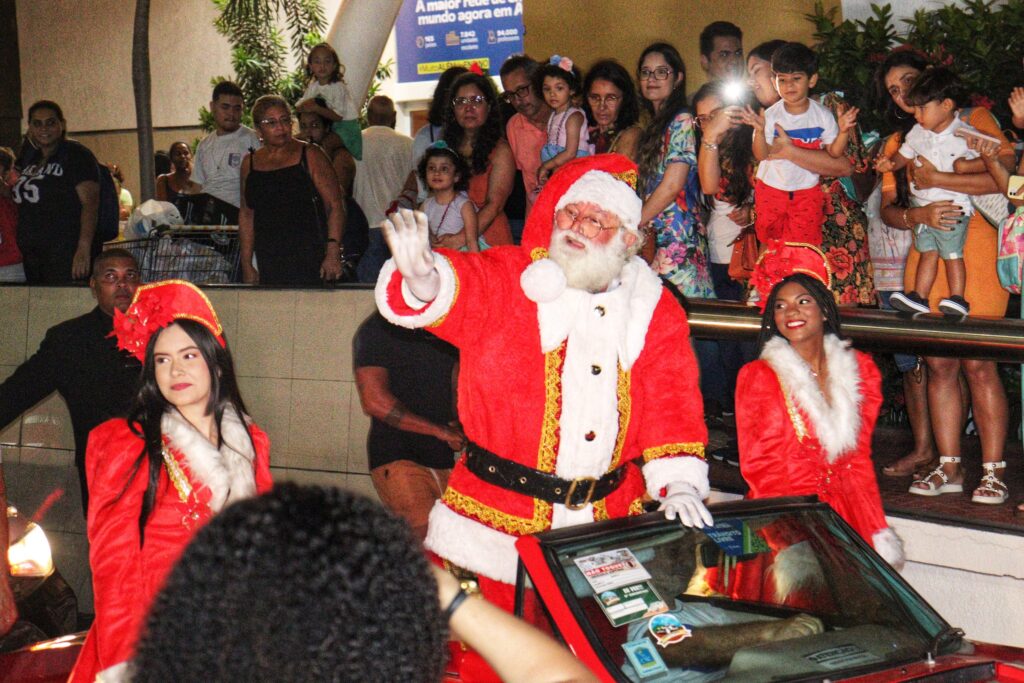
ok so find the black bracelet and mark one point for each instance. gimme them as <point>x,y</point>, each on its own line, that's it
<point>331,239</point>
<point>459,598</point>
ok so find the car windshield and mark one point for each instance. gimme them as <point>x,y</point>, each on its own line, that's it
<point>785,594</point>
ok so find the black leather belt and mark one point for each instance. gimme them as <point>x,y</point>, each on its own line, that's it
<point>575,494</point>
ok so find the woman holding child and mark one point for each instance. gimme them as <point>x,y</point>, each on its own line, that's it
<point>988,397</point>
<point>844,230</point>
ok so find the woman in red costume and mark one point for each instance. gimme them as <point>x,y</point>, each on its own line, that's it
<point>186,450</point>
<point>809,404</point>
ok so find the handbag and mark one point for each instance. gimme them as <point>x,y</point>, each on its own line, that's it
<point>994,207</point>
<point>1010,259</point>
<point>744,254</point>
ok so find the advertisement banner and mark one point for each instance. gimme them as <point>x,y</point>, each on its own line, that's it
<point>433,35</point>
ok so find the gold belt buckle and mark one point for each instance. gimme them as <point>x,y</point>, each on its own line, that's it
<point>572,490</point>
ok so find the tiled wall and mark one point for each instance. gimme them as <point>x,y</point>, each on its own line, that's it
<point>293,354</point>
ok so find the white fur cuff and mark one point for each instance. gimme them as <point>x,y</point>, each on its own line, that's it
<point>434,311</point>
<point>687,469</point>
<point>471,545</point>
<point>890,547</point>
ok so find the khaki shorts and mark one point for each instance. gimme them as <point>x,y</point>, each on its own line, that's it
<point>410,490</point>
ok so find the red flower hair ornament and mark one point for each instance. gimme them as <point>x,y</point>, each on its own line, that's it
<point>781,259</point>
<point>157,305</point>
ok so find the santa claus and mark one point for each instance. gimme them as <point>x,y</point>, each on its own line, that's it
<point>578,387</point>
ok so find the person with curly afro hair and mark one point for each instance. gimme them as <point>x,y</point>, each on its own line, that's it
<point>301,584</point>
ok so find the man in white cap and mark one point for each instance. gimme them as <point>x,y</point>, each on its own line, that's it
<point>578,388</point>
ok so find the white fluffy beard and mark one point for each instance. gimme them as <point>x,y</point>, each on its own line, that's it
<point>592,268</point>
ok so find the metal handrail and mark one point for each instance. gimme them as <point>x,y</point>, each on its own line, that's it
<point>872,330</point>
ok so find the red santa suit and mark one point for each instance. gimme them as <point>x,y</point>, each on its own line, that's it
<point>558,379</point>
<point>793,441</point>
<point>196,482</point>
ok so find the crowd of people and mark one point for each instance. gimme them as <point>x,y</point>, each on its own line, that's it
<point>587,195</point>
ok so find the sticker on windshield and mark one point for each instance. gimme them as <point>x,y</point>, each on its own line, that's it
<point>736,538</point>
<point>626,604</point>
<point>667,629</point>
<point>645,659</point>
<point>611,569</point>
<point>842,656</point>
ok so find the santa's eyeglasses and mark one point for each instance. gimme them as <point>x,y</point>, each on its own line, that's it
<point>588,221</point>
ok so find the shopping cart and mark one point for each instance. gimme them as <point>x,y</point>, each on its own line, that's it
<point>203,254</point>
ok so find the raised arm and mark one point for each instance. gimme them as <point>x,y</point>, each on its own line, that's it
<point>408,235</point>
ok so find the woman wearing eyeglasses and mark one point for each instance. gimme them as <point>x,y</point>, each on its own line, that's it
<point>473,128</point>
<point>668,174</point>
<point>612,109</point>
<point>292,212</point>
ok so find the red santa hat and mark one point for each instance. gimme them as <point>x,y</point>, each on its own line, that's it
<point>157,305</point>
<point>781,259</point>
<point>609,180</point>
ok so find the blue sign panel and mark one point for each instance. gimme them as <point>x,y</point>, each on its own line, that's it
<point>433,35</point>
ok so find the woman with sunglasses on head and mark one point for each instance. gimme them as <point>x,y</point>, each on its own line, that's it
<point>808,407</point>
<point>667,160</point>
<point>612,109</point>
<point>473,128</point>
<point>186,451</point>
<point>292,214</point>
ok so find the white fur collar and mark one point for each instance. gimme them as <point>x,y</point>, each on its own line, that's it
<point>558,306</point>
<point>836,422</point>
<point>227,472</point>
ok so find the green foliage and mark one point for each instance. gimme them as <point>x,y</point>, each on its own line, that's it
<point>982,40</point>
<point>260,49</point>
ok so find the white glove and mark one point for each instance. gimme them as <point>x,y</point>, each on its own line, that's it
<point>683,501</point>
<point>408,237</point>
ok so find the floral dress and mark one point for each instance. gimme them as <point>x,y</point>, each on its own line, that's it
<point>845,230</point>
<point>682,253</point>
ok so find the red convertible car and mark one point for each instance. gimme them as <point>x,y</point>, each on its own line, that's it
<point>778,590</point>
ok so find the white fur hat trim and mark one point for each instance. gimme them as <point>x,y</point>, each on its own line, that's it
<point>543,281</point>
<point>608,192</point>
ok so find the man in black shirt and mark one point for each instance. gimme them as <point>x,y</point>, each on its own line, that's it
<point>405,380</point>
<point>78,360</point>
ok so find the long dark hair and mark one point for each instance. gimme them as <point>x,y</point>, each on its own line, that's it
<point>821,295</point>
<point>489,134</point>
<point>616,74</point>
<point>443,93</point>
<point>149,405</point>
<point>735,151</point>
<point>649,150</point>
<point>900,120</point>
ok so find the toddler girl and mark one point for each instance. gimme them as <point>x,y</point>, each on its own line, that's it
<point>327,83</point>
<point>559,82</point>
<point>450,214</point>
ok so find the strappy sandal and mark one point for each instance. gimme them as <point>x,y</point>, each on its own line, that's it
<point>992,490</point>
<point>928,480</point>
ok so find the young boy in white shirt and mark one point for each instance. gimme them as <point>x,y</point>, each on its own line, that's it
<point>938,137</point>
<point>788,199</point>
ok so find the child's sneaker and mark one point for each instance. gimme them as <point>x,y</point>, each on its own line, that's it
<point>909,302</point>
<point>954,305</point>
